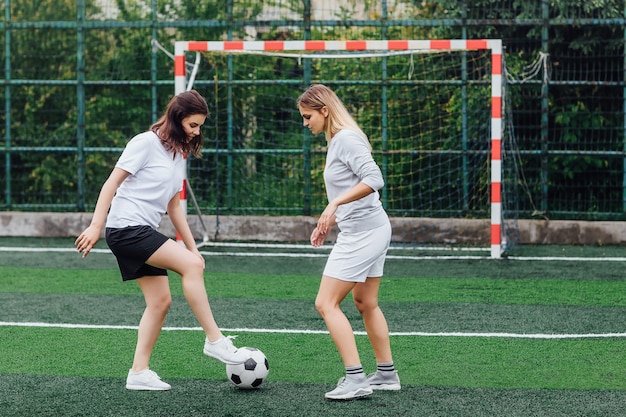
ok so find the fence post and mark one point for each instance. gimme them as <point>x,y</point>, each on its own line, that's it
<point>545,27</point>
<point>384,104</point>
<point>7,100</point>
<point>624,113</point>
<point>306,136</point>
<point>80,103</point>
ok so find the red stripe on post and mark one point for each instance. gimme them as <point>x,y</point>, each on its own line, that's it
<point>496,107</point>
<point>179,65</point>
<point>274,45</point>
<point>356,45</point>
<point>496,194</point>
<point>314,45</point>
<point>495,234</point>
<point>233,45</point>
<point>183,191</point>
<point>197,46</point>
<point>476,44</point>
<point>496,151</point>
<point>496,64</point>
<point>397,45</point>
<point>436,44</point>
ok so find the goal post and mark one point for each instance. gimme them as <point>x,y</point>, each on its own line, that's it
<point>492,46</point>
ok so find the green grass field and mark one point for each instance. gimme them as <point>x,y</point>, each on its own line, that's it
<point>470,336</point>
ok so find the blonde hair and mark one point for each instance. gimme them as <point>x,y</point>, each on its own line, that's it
<point>318,96</point>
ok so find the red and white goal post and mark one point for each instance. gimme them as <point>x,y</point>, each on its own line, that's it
<point>492,45</point>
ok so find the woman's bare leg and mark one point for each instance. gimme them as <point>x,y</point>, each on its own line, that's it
<point>156,292</point>
<point>189,266</point>
<point>365,296</point>
<point>331,292</point>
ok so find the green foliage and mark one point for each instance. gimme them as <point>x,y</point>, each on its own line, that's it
<point>577,124</point>
<point>258,158</point>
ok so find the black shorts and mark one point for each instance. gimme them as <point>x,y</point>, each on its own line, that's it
<point>132,246</point>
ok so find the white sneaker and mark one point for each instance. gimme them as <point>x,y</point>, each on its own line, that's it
<point>384,381</point>
<point>349,389</point>
<point>145,380</point>
<point>224,351</point>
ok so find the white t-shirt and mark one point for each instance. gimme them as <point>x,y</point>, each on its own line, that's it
<point>349,161</point>
<point>156,175</point>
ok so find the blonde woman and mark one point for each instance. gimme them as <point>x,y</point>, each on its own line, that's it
<point>143,186</point>
<point>356,262</point>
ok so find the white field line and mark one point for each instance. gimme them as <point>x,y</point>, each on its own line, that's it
<point>301,331</point>
<point>305,246</point>
<point>320,255</point>
<point>295,331</point>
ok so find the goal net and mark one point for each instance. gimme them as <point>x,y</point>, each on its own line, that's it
<point>432,111</point>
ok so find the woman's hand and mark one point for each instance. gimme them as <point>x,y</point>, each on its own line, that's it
<point>317,237</point>
<point>327,218</point>
<point>87,240</point>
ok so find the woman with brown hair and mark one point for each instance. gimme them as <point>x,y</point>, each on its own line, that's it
<point>144,185</point>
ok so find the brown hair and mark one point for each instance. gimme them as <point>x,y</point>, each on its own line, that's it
<point>169,127</point>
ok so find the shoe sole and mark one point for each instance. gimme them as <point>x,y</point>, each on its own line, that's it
<point>219,358</point>
<point>144,388</point>
<point>386,387</point>
<point>353,395</point>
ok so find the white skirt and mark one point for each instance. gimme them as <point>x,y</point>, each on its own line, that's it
<point>358,256</point>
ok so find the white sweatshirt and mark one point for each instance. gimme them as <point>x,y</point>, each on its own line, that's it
<point>349,161</point>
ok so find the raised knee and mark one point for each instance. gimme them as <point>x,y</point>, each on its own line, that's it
<point>197,265</point>
<point>193,269</point>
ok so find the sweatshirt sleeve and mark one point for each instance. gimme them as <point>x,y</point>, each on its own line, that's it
<point>357,155</point>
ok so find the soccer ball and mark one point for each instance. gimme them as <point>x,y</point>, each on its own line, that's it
<point>252,372</point>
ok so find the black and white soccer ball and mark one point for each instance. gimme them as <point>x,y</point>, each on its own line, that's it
<point>251,373</point>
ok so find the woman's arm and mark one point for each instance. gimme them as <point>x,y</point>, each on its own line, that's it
<point>88,238</point>
<point>327,218</point>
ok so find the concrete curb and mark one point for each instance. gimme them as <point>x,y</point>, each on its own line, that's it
<point>298,229</point>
